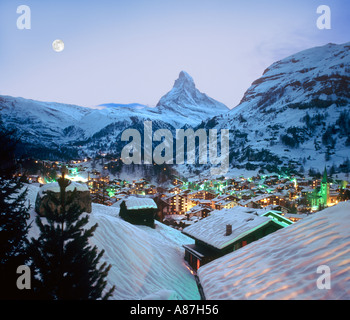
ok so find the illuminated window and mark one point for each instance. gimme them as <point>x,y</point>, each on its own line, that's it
<point>198,263</point>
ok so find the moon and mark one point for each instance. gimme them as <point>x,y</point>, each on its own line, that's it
<point>58,45</point>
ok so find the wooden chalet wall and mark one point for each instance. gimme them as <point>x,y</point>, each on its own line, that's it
<point>202,253</point>
<point>138,216</point>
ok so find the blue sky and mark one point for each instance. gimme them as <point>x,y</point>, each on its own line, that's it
<point>132,51</point>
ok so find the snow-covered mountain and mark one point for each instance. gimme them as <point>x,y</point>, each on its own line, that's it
<point>296,114</point>
<point>188,103</point>
<point>56,126</point>
<point>31,117</point>
<point>44,128</point>
<point>183,105</point>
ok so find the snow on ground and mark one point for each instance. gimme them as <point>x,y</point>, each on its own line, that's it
<point>146,263</point>
<point>284,264</point>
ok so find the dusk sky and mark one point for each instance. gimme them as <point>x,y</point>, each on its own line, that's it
<point>133,51</point>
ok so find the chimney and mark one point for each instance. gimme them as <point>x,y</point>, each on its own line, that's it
<point>228,229</point>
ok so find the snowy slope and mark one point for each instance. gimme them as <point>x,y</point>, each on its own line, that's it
<point>46,122</point>
<point>284,264</point>
<point>146,263</point>
<point>183,105</point>
<point>122,116</point>
<point>40,122</point>
<point>320,72</point>
<point>297,113</point>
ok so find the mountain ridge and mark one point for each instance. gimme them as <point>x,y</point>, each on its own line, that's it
<point>188,101</point>
<point>296,115</point>
<point>49,125</point>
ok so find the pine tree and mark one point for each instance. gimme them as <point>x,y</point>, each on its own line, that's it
<point>66,267</point>
<point>13,219</point>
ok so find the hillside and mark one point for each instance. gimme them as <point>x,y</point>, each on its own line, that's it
<point>297,114</point>
<point>58,131</point>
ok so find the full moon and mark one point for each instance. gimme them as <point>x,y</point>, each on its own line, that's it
<point>58,45</point>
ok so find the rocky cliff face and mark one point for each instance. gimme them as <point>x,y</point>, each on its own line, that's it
<point>317,77</point>
<point>297,114</point>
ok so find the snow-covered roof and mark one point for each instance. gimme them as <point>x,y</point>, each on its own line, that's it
<point>197,208</point>
<point>212,230</point>
<point>224,202</point>
<point>307,189</point>
<point>204,201</point>
<point>277,217</point>
<point>259,198</point>
<point>284,264</point>
<point>54,187</point>
<point>133,203</point>
<point>146,262</point>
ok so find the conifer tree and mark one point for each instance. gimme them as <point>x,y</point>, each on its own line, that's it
<point>13,219</point>
<point>65,265</point>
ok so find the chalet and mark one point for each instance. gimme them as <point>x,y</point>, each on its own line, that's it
<point>245,194</point>
<point>177,204</point>
<point>250,203</point>
<point>198,211</point>
<point>225,231</point>
<point>178,221</point>
<point>150,189</point>
<point>277,217</point>
<point>304,182</point>
<point>177,181</point>
<point>139,211</point>
<point>224,202</point>
<point>333,196</point>
<point>258,191</point>
<point>139,185</point>
<point>278,208</point>
<point>175,190</point>
<point>202,202</point>
<point>202,194</point>
<point>264,200</point>
<point>163,206</point>
<point>120,196</point>
<point>284,266</point>
<point>306,191</point>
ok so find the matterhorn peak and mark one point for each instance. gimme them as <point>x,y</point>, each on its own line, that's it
<point>185,75</point>
<point>187,103</point>
<point>184,81</point>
